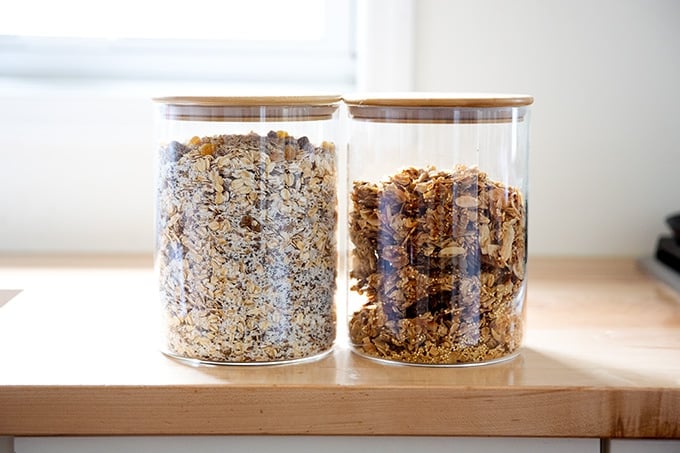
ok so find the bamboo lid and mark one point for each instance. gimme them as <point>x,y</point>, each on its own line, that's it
<point>249,108</point>
<point>438,107</point>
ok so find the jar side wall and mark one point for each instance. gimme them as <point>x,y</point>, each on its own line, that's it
<point>246,239</point>
<point>437,240</point>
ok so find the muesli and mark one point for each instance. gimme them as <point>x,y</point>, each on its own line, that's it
<point>247,253</point>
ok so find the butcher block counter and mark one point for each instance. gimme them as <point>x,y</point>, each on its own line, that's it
<point>79,355</point>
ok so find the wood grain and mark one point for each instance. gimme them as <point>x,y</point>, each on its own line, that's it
<point>79,356</point>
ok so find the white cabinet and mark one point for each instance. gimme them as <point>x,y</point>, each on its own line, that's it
<point>328,444</point>
<point>300,444</point>
<point>644,446</point>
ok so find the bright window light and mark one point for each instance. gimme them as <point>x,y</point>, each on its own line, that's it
<point>226,41</point>
<point>242,20</point>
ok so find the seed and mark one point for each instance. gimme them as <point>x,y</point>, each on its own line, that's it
<point>452,251</point>
<point>289,153</point>
<point>206,149</point>
<point>466,201</point>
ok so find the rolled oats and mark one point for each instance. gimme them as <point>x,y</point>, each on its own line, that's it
<point>247,253</point>
<point>439,259</point>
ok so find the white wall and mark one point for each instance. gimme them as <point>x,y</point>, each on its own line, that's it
<point>605,159</point>
<point>75,169</point>
<point>75,162</point>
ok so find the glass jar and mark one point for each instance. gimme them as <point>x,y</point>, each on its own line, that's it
<point>246,227</point>
<point>437,218</point>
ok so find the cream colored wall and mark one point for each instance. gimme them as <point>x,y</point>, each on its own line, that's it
<point>605,157</point>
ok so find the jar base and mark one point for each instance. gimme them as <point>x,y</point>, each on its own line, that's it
<point>506,358</point>
<point>201,362</point>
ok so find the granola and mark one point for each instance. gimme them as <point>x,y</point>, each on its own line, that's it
<point>247,248</point>
<point>439,257</point>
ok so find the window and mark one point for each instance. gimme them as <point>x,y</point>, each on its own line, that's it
<point>231,41</point>
<point>76,79</point>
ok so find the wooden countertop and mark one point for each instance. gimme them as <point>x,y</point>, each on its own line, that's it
<point>78,356</point>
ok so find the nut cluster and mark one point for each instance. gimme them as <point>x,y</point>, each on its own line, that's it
<point>247,255</point>
<point>439,257</point>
